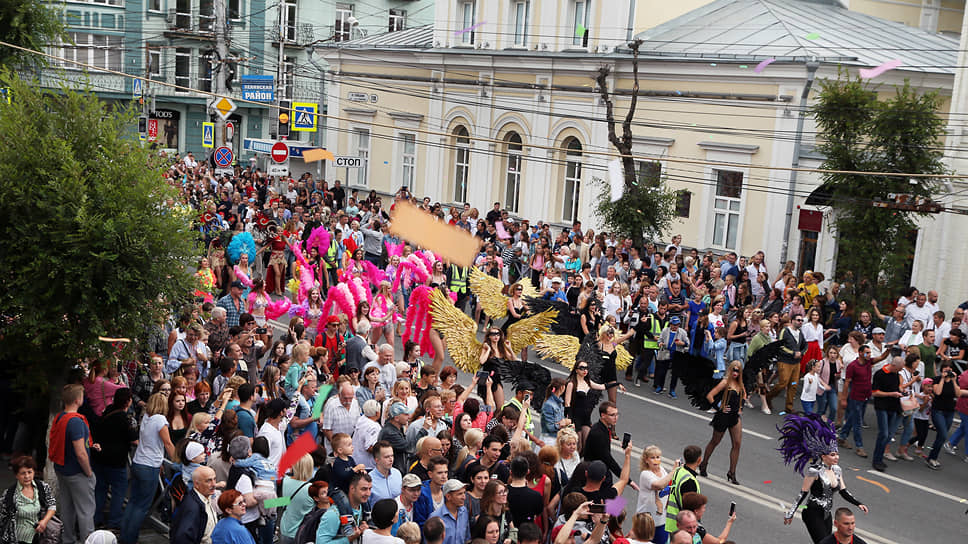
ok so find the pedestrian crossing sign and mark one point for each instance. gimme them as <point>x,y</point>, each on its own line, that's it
<point>304,116</point>
<point>208,135</point>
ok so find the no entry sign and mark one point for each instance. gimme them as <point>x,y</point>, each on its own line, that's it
<point>279,152</point>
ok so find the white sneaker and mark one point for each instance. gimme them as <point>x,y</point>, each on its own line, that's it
<point>890,456</point>
<point>711,411</point>
<point>948,448</point>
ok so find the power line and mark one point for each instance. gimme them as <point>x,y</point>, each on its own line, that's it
<point>533,146</point>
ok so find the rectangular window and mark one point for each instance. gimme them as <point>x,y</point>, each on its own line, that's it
<point>154,5</point>
<point>581,21</point>
<point>398,19</point>
<point>289,78</point>
<point>521,19</point>
<point>290,20</point>
<point>467,21</point>
<point>726,207</point>
<point>154,63</point>
<point>206,15</point>
<point>683,203</point>
<point>362,137</point>
<point>569,210</point>
<point>183,68</point>
<point>235,9</point>
<point>98,50</point>
<point>648,173</point>
<point>341,30</point>
<point>205,72</point>
<point>102,2</point>
<point>183,14</point>
<point>408,155</point>
<point>461,169</point>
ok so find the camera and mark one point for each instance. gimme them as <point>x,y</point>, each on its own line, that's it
<point>949,374</point>
<point>896,351</point>
<point>262,330</point>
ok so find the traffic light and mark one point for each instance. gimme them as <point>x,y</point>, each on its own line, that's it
<point>285,109</point>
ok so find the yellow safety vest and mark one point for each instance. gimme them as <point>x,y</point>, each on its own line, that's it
<point>458,279</point>
<point>680,477</point>
<point>656,331</point>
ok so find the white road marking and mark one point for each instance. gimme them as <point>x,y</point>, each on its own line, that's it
<point>926,489</point>
<point>754,496</point>
<point>689,413</point>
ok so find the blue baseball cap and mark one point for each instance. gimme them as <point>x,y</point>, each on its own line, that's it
<point>674,320</point>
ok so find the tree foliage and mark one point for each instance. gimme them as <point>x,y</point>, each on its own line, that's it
<point>645,210</point>
<point>858,132</point>
<point>89,247</point>
<point>28,23</point>
<point>645,207</point>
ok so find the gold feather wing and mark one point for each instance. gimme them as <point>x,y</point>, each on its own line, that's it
<point>526,332</point>
<point>458,329</point>
<point>489,293</point>
<point>622,357</point>
<point>560,347</point>
<point>528,289</point>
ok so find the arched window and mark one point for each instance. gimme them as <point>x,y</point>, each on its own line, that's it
<point>462,163</point>
<point>572,193</point>
<point>512,184</point>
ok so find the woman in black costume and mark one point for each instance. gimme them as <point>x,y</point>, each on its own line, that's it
<point>727,397</point>
<point>496,346</point>
<point>811,443</point>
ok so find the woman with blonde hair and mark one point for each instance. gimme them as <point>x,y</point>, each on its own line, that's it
<point>568,458</point>
<point>727,397</point>
<point>401,392</point>
<point>154,440</point>
<point>653,479</point>
<point>644,530</point>
<point>297,488</point>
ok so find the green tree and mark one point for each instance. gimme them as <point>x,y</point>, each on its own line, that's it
<point>89,246</point>
<point>645,208</point>
<point>859,132</point>
<point>28,23</point>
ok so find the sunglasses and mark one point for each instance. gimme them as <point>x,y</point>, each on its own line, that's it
<point>583,368</point>
<point>494,334</point>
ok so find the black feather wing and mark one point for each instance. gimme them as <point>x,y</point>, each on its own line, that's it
<point>762,358</point>
<point>567,322</point>
<point>696,375</point>
<point>533,375</point>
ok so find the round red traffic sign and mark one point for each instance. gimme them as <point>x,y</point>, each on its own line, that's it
<point>279,152</point>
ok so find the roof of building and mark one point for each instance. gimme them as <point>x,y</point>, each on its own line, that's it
<point>421,37</point>
<point>750,30</point>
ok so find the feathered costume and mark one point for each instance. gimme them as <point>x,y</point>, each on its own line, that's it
<point>412,269</point>
<point>762,359</point>
<point>804,440</point>
<point>242,241</point>
<point>566,349</point>
<point>460,331</point>
<point>696,374</point>
<point>490,293</point>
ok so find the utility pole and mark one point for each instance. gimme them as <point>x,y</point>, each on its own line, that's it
<point>280,63</point>
<point>222,52</point>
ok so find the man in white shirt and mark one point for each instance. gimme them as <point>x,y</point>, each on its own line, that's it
<point>918,311</point>
<point>190,161</point>
<point>932,302</point>
<point>755,267</point>
<point>388,372</point>
<point>275,412</point>
<point>340,414</point>
<point>941,328</point>
<point>366,433</point>
<point>879,350</point>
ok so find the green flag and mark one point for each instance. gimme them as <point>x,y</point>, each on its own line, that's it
<point>580,30</point>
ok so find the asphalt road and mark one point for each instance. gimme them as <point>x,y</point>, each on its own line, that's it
<point>909,503</point>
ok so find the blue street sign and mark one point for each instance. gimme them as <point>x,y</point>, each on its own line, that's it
<point>223,157</point>
<point>208,134</point>
<point>304,117</point>
<point>258,89</point>
<point>136,88</point>
<point>265,146</point>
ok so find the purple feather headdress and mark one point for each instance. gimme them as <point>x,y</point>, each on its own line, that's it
<point>804,438</point>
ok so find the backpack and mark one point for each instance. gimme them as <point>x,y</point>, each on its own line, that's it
<point>306,533</point>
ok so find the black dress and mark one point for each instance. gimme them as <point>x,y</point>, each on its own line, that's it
<point>490,365</point>
<point>723,420</point>
<point>581,409</point>
<point>609,373</point>
<point>511,320</point>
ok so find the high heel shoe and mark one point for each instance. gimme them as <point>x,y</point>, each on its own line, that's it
<point>702,470</point>
<point>731,476</point>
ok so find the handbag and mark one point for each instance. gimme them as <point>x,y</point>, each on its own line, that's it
<point>52,533</point>
<point>909,404</point>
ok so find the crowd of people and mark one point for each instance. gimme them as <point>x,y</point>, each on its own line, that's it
<point>402,451</point>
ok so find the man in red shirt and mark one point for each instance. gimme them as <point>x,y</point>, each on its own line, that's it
<point>856,393</point>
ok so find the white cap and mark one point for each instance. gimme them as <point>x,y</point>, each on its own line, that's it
<point>193,450</point>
